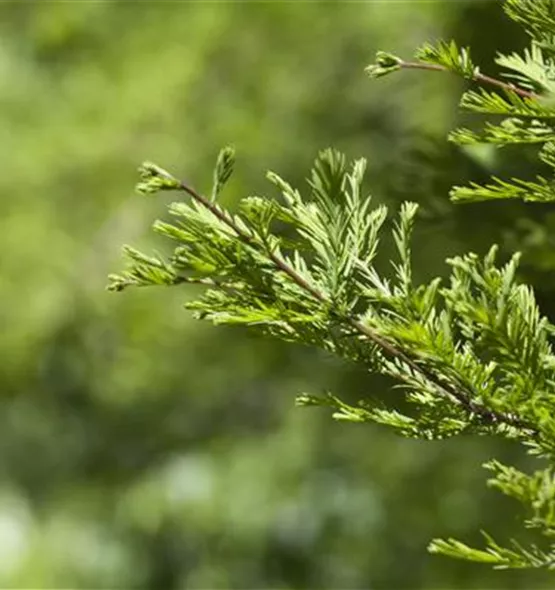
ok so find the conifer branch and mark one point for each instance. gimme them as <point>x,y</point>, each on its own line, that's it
<point>463,398</point>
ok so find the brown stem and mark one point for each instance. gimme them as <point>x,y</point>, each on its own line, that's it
<point>414,65</point>
<point>446,390</point>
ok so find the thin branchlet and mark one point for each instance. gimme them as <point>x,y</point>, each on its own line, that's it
<point>477,77</point>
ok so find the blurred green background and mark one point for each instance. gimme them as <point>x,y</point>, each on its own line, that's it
<point>142,449</point>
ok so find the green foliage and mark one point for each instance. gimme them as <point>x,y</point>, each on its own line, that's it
<point>536,16</point>
<point>537,494</point>
<point>472,353</point>
<point>448,56</point>
<point>534,70</point>
<point>510,130</point>
<point>526,104</point>
<point>513,557</point>
<point>154,179</point>
<point>540,190</point>
<point>385,64</point>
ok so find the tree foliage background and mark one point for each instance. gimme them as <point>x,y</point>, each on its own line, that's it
<point>143,449</point>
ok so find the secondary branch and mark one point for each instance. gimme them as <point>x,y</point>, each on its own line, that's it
<point>414,65</point>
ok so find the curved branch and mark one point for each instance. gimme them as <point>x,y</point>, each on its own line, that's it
<point>460,396</point>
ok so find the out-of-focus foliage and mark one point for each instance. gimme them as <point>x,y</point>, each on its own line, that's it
<point>142,449</point>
